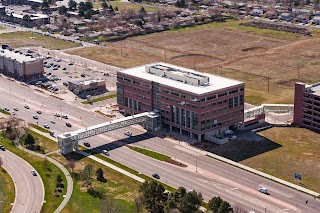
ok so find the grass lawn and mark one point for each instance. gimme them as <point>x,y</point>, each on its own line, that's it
<point>47,144</point>
<point>117,185</point>
<point>48,176</point>
<point>40,128</point>
<point>6,191</point>
<point>5,112</point>
<point>128,5</point>
<point>21,39</point>
<point>167,187</point>
<point>299,153</point>
<point>100,99</point>
<point>150,153</point>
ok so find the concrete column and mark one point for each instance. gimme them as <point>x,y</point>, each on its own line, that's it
<point>199,137</point>
<point>170,128</point>
<point>191,117</point>
<point>180,115</point>
<point>191,135</point>
<point>180,131</point>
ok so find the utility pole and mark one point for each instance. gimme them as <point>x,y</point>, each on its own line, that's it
<point>194,63</point>
<point>268,83</point>
<point>121,48</point>
<point>298,71</point>
<point>165,56</point>
<point>221,70</point>
<point>196,163</point>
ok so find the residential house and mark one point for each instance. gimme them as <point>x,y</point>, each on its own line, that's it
<point>257,12</point>
<point>286,16</point>
<point>316,20</point>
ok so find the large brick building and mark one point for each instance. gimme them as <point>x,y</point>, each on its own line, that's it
<point>307,106</point>
<point>189,102</point>
<point>19,66</point>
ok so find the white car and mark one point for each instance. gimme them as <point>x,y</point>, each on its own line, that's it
<point>35,117</point>
<point>33,172</point>
<point>232,137</point>
<point>46,126</point>
<point>263,190</point>
<point>13,113</point>
<point>56,114</point>
<point>52,121</point>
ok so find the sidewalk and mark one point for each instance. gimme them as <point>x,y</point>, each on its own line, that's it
<point>60,166</point>
<point>254,171</point>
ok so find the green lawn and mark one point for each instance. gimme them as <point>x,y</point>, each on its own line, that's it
<point>128,5</point>
<point>122,188</point>
<point>150,153</point>
<point>40,128</point>
<point>47,144</point>
<point>167,187</point>
<point>299,152</point>
<point>6,191</point>
<point>5,112</point>
<point>100,99</point>
<point>22,39</point>
<point>48,176</point>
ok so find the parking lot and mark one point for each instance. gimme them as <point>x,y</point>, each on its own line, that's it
<point>58,72</point>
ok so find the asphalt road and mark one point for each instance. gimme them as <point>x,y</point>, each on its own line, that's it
<point>29,194</point>
<point>213,178</point>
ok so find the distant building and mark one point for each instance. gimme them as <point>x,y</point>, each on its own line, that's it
<point>79,87</point>
<point>19,66</point>
<point>192,103</point>
<point>307,106</point>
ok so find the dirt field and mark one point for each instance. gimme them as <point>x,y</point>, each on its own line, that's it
<point>227,49</point>
<point>280,152</point>
<point>22,39</point>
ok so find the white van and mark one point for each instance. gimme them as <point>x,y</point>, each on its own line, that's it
<point>105,152</point>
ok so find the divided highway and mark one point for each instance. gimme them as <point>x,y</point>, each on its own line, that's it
<point>213,178</point>
<point>29,189</point>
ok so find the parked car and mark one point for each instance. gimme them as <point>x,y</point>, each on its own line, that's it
<point>6,109</point>
<point>46,126</point>
<point>56,114</point>
<point>2,148</point>
<point>68,124</point>
<point>39,112</point>
<point>156,176</point>
<point>33,172</point>
<point>128,133</point>
<point>26,106</point>
<point>64,116</point>
<point>232,137</point>
<point>52,121</point>
<point>35,117</point>
<point>87,144</point>
<point>83,75</point>
<point>15,109</point>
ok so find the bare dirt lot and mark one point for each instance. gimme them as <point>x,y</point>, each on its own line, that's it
<point>279,151</point>
<point>228,49</point>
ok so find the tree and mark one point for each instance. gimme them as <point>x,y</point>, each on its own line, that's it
<point>72,5</point>
<point>190,202</point>
<point>86,175</point>
<point>45,5</point>
<point>142,11</point>
<point>138,202</point>
<point>99,174</point>
<point>34,7</point>
<point>59,179</point>
<point>88,5</point>
<point>71,165</point>
<point>225,207</point>
<point>1,161</point>
<point>110,206</point>
<point>29,141</point>
<point>154,195</point>
<point>181,3</point>
<point>63,10</point>
<point>214,204</point>
<point>88,14</point>
<point>26,18</point>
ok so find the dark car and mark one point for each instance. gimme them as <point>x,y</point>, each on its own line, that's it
<point>33,172</point>
<point>2,148</point>
<point>83,75</point>
<point>156,176</point>
<point>86,144</point>
<point>68,124</point>
<point>39,112</point>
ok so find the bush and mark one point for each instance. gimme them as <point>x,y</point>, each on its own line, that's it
<point>37,148</point>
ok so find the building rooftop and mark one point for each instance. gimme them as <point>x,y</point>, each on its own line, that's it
<point>16,56</point>
<point>181,78</point>
<point>314,88</point>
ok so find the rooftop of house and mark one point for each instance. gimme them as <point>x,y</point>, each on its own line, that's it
<point>181,78</point>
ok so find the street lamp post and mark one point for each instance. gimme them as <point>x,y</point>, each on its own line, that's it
<point>196,163</point>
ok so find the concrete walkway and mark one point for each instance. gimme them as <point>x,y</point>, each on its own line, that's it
<point>60,166</point>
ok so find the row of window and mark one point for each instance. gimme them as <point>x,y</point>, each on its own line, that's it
<point>132,81</point>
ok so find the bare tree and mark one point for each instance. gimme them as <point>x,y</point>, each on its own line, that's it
<point>138,202</point>
<point>71,164</point>
<point>239,209</point>
<point>1,161</point>
<point>86,176</point>
<point>110,206</point>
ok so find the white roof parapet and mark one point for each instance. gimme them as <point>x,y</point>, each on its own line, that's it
<point>181,78</point>
<point>16,56</point>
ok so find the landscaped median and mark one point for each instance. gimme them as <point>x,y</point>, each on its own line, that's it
<point>40,128</point>
<point>99,99</point>
<point>156,155</point>
<point>48,173</point>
